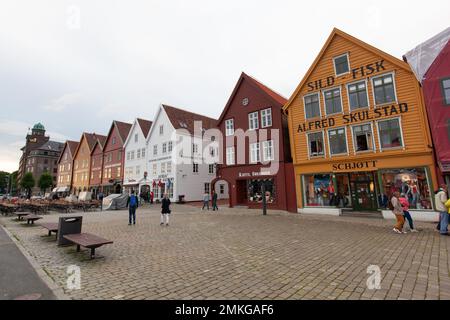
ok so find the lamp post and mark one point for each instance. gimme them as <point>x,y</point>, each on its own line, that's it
<point>264,203</point>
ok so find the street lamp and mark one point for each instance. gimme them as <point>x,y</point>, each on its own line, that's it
<point>264,202</point>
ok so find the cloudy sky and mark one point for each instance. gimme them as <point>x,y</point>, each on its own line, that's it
<point>77,65</point>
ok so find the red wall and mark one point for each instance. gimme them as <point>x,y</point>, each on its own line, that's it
<point>96,162</point>
<point>115,150</point>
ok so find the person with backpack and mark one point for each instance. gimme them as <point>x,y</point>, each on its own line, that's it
<point>440,200</point>
<point>397,210</point>
<point>405,206</point>
<point>165,210</point>
<point>132,204</point>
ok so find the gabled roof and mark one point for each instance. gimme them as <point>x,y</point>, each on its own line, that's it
<point>101,140</point>
<point>145,126</point>
<point>71,146</point>
<point>182,119</point>
<point>91,139</point>
<point>368,47</point>
<point>123,128</point>
<point>422,57</point>
<point>271,94</point>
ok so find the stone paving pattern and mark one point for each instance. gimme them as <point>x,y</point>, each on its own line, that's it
<point>240,254</point>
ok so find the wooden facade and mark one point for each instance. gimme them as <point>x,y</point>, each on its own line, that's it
<point>65,167</point>
<point>81,163</point>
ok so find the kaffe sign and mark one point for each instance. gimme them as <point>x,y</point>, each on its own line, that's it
<point>355,165</point>
<point>355,117</point>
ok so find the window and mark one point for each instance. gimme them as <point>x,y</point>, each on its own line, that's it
<point>155,150</point>
<point>136,137</point>
<point>211,169</point>
<point>138,170</point>
<point>170,146</point>
<point>230,155</point>
<point>312,106</point>
<point>138,153</point>
<point>76,164</point>
<point>119,156</point>
<point>446,91</point>
<point>194,148</point>
<point>341,65</point>
<point>332,101</point>
<point>161,129</point>
<point>207,185</point>
<point>268,154</point>
<point>143,153</point>
<point>212,151</point>
<point>169,167</point>
<point>318,190</point>
<point>390,134</point>
<point>163,168</point>
<point>110,157</point>
<point>155,169</point>
<point>315,143</point>
<point>357,95</point>
<point>266,118</point>
<point>384,89</point>
<point>164,148</point>
<point>221,188</point>
<point>65,156</point>
<point>337,141</point>
<point>229,127</point>
<point>132,155</point>
<point>255,190</point>
<point>195,167</point>
<point>118,172</point>
<point>254,153</point>
<point>253,120</point>
<point>113,140</point>
<point>362,137</point>
<point>69,167</point>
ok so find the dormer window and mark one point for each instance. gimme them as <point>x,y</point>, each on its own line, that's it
<point>341,65</point>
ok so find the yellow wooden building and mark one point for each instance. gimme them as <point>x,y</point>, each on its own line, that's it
<point>358,131</point>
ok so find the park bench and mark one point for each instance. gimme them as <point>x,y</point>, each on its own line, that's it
<point>32,218</point>
<point>87,240</point>
<point>51,227</point>
<point>20,215</point>
<point>8,208</point>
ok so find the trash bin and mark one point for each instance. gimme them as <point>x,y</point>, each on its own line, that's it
<point>181,198</point>
<point>68,225</point>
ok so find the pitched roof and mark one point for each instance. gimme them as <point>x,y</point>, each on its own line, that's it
<point>91,138</point>
<point>182,119</point>
<point>72,146</point>
<point>337,32</point>
<point>422,57</point>
<point>271,94</point>
<point>145,126</point>
<point>123,128</point>
<point>52,146</point>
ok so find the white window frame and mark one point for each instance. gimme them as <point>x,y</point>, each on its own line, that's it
<point>334,64</point>
<point>229,131</point>
<point>346,142</point>
<point>304,105</point>
<point>163,168</point>
<point>164,148</point>
<point>367,94</point>
<point>169,146</point>
<point>195,168</point>
<point>264,147</point>
<point>254,120</point>
<point>309,147</point>
<point>155,169</point>
<point>230,163</point>
<point>161,129</point>
<point>392,73</point>
<point>266,112</point>
<point>374,149</point>
<point>401,135</point>
<point>138,153</point>
<point>169,167</point>
<point>136,137</point>
<point>325,102</point>
<point>252,150</point>
<point>155,150</point>
<point>143,153</point>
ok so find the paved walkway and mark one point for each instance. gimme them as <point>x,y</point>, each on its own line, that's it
<point>240,254</point>
<point>18,279</point>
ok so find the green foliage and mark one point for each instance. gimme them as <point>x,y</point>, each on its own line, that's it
<point>45,181</point>
<point>4,181</point>
<point>27,181</point>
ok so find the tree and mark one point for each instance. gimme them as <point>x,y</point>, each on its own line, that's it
<point>27,183</point>
<point>4,181</point>
<point>13,183</point>
<point>45,181</point>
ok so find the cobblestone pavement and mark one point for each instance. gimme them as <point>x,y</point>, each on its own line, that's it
<point>240,254</point>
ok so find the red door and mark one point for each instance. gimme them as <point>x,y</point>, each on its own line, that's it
<point>241,191</point>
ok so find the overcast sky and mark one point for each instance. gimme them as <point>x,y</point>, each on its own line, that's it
<point>77,65</point>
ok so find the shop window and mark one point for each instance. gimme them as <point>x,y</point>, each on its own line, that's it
<point>412,183</point>
<point>268,154</point>
<point>230,155</point>
<point>266,118</point>
<point>384,89</point>
<point>446,91</point>
<point>362,137</point>
<point>319,190</point>
<point>333,101</point>
<point>357,95</point>
<point>315,142</point>
<point>229,127</point>
<point>253,121</point>
<point>390,133</point>
<point>338,141</point>
<point>312,106</point>
<point>254,153</point>
<point>255,188</point>
<point>341,64</point>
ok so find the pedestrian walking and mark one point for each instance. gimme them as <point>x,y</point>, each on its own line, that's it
<point>151,197</point>
<point>214,201</point>
<point>440,200</point>
<point>100,197</point>
<point>165,210</point>
<point>132,204</point>
<point>398,212</point>
<point>205,201</point>
<point>405,206</point>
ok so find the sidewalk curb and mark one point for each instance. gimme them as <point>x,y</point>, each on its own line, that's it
<point>57,291</point>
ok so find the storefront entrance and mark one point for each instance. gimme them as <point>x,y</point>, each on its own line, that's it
<point>241,192</point>
<point>362,186</point>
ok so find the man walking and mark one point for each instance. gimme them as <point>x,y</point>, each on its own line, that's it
<point>214,201</point>
<point>100,197</point>
<point>205,201</point>
<point>398,212</point>
<point>132,204</point>
<point>165,210</point>
<point>440,199</point>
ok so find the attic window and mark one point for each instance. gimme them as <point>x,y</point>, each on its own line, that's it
<point>341,64</point>
<point>183,124</point>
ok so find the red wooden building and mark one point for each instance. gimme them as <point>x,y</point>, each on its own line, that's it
<point>255,148</point>
<point>96,168</point>
<point>431,64</point>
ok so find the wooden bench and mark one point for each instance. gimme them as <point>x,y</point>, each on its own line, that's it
<point>32,218</point>
<point>20,215</point>
<point>87,240</point>
<point>51,227</point>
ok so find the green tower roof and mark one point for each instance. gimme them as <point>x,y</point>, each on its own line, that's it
<point>38,126</point>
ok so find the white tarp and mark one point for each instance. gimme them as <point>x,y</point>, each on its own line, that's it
<point>422,57</point>
<point>115,202</point>
<point>84,196</point>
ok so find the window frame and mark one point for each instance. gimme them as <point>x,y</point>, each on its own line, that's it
<point>304,105</point>
<point>262,117</point>
<point>354,140</point>
<point>401,134</point>
<point>251,150</point>
<point>444,99</point>
<point>348,61</point>
<point>265,145</point>
<point>309,146</point>
<point>226,156</point>
<point>325,101</point>
<point>392,73</point>
<point>227,134</point>
<point>250,121</point>
<point>346,142</point>
<point>367,95</point>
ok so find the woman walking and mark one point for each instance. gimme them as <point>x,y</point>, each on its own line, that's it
<point>165,210</point>
<point>398,212</point>
<point>405,206</point>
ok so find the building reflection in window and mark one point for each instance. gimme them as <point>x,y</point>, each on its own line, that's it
<point>255,194</point>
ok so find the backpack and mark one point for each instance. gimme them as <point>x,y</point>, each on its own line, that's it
<point>133,200</point>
